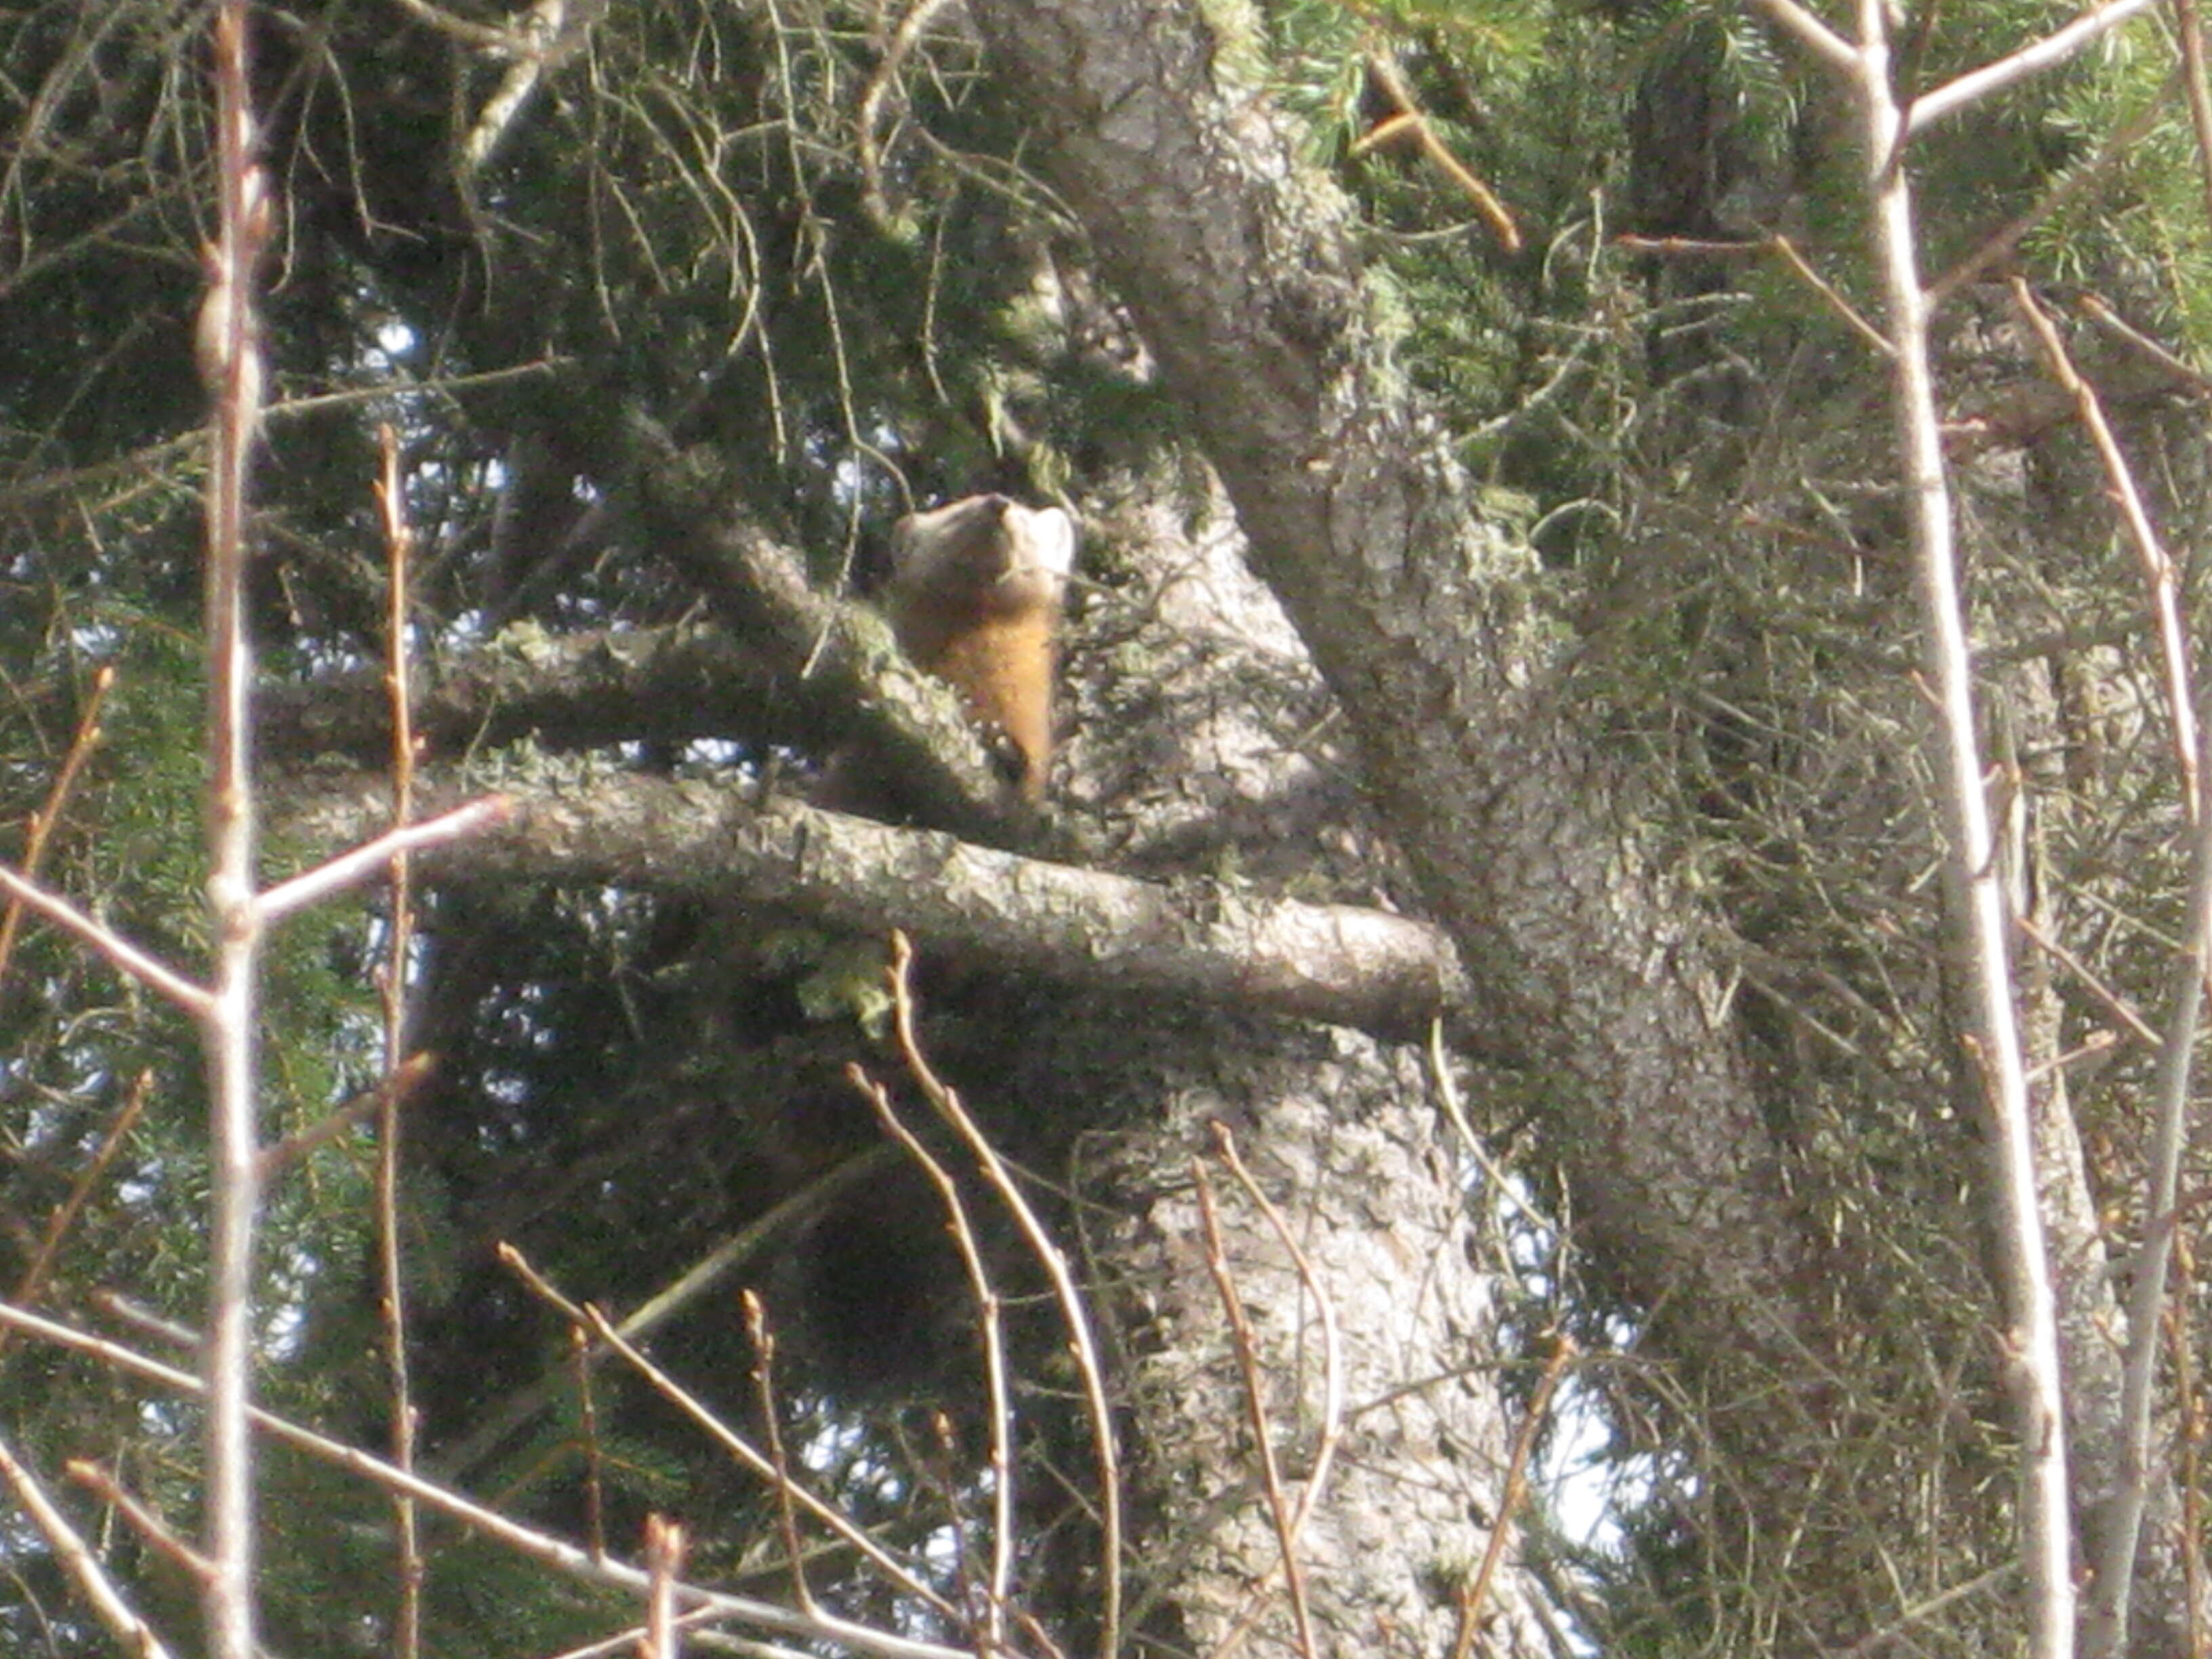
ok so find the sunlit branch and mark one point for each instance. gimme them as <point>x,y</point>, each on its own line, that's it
<point>373,858</point>
<point>118,952</point>
<point>131,1633</point>
<point>2053,50</point>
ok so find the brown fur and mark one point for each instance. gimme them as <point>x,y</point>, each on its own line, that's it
<point>975,597</point>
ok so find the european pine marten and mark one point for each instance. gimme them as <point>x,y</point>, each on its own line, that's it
<point>975,597</point>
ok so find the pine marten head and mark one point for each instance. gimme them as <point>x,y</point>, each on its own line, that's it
<point>975,595</point>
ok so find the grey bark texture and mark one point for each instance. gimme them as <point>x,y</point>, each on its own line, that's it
<point>1240,270</point>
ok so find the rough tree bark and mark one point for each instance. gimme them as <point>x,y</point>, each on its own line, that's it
<point>1240,270</point>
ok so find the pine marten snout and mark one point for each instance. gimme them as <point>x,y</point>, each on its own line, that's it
<point>975,597</point>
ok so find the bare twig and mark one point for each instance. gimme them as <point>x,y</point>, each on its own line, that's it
<point>131,1633</point>
<point>664,1560</point>
<point>2185,373</point>
<point>121,1308</point>
<point>994,1355</point>
<point>587,1428</point>
<point>484,37</point>
<point>45,818</point>
<point>1477,1590</point>
<point>2053,50</point>
<point>541,1546</point>
<point>2001,243</point>
<point>1816,36</point>
<point>398,540</point>
<point>550,34</point>
<point>2189,1412</point>
<point>1332,1347</point>
<point>1882,1640</point>
<point>1255,1406</point>
<point>764,1382</point>
<point>2112,1589</point>
<point>1084,1348</point>
<point>1829,295</point>
<point>390,1094</point>
<point>149,1526</point>
<point>373,858</point>
<point>624,1642</point>
<point>694,1283</point>
<point>2157,567</point>
<point>33,1280</point>
<point>105,942</point>
<point>2116,1004</point>
<point>590,1318</point>
<point>2189,27</point>
<point>873,200</point>
<point>1411,122</point>
<point>1981,924</point>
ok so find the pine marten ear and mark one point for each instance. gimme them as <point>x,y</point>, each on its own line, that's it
<point>1052,540</point>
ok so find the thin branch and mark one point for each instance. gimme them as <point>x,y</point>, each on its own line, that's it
<point>484,37</point>
<point>587,1429</point>
<point>1332,1345</point>
<point>135,466</point>
<point>873,200</point>
<point>1514,1493</point>
<point>1853,318</point>
<point>2185,373</point>
<point>2113,1587</point>
<point>233,368</point>
<point>991,1328</point>
<point>118,952</point>
<point>391,1093</point>
<point>590,1318</point>
<point>1812,34</point>
<point>2189,27</point>
<point>556,1553</point>
<point>664,1560</point>
<point>158,1534</point>
<point>45,818</point>
<point>2189,1412</point>
<point>684,1291</point>
<point>2054,49</point>
<point>786,1519</point>
<point>2001,243</point>
<point>1255,1406</point>
<point>2157,567</point>
<point>131,1633</point>
<point>66,1213</point>
<point>398,540</point>
<point>2114,1003</point>
<point>1084,1348</point>
<point>365,862</point>
<point>1411,121</point>
<point>1980,921</point>
<point>549,34</point>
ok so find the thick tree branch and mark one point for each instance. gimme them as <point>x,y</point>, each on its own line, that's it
<point>1339,963</point>
<point>563,692</point>
<point>1241,271</point>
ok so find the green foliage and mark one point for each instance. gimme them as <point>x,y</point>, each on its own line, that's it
<point>683,225</point>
